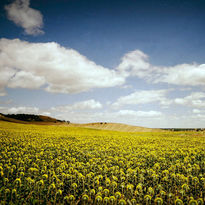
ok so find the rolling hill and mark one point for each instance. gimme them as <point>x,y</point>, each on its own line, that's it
<point>45,120</point>
<point>29,119</point>
<point>115,127</point>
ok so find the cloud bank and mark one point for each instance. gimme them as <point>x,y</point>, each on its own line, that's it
<point>31,20</point>
<point>136,64</point>
<point>143,97</point>
<point>141,114</point>
<point>57,69</point>
<point>83,105</point>
<point>20,110</point>
<point>195,99</point>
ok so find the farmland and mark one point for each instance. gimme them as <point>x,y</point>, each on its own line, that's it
<point>42,164</point>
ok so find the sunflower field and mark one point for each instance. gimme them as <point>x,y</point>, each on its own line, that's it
<point>42,164</point>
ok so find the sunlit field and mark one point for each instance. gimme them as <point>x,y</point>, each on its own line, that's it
<point>65,165</point>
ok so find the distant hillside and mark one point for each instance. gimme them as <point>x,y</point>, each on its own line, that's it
<point>115,127</point>
<point>45,120</point>
<point>28,118</point>
<point>4,118</point>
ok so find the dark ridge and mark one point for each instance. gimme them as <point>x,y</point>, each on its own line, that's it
<point>31,118</point>
<point>25,117</point>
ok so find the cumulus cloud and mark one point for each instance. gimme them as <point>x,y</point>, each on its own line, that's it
<point>195,99</point>
<point>6,74</point>
<point>83,105</point>
<point>196,111</point>
<point>136,63</point>
<point>24,79</point>
<point>19,110</point>
<point>132,113</point>
<point>143,97</point>
<point>57,69</point>
<point>24,110</point>
<point>63,70</point>
<point>31,20</point>
<point>184,74</point>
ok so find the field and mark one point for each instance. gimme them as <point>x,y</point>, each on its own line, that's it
<point>73,165</point>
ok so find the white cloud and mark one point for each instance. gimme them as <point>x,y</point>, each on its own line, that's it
<point>83,105</point>
<point>196,111</point>
<point>5,74</point>
<point>22,110</point>
<point>143,97</point>
<point>136,63</point>
<point>149,114</point>
<point>31,20</point>
<point>196,99</point>
<point>184,74</point>
<point>24,79</point>
<point>62,70</point>
<point>58,69</point>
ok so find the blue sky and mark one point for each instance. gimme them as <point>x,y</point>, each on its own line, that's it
<point>134,62</point>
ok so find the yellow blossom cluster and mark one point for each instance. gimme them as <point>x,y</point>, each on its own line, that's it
<point>42,164</point>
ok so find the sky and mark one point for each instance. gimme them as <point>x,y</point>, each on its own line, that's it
<point>126,61</point>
